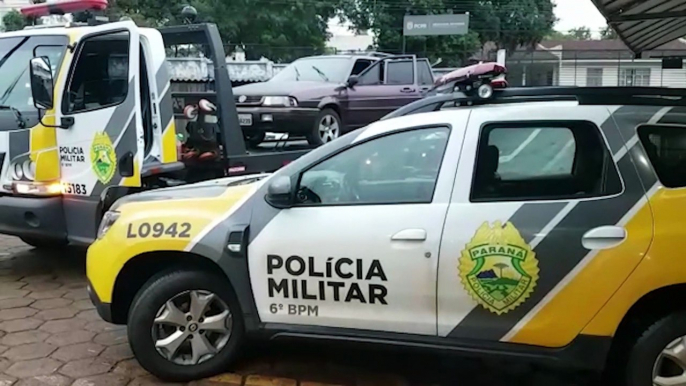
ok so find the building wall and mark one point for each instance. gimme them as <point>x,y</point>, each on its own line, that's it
<point>574,73</point>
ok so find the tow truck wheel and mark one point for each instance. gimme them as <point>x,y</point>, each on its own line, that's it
<point>658,356</point>
<point>327,127</point>
<point>255,139</point>
<point>185,325</point>
<point>44,243</point>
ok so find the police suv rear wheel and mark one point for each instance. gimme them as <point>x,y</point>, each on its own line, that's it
<point>185,325</point>
<point>658,356</point>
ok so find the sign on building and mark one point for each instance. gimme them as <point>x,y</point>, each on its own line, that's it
<point>423,25</point>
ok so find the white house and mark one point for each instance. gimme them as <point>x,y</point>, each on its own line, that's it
<point>594,63</point>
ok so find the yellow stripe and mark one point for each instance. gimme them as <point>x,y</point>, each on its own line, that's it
<point>663,265</point>
<point>135,180</point>
<point>169,143</point>
<point>561,320</point>
<point>43,140</point>
<point>108,256</point>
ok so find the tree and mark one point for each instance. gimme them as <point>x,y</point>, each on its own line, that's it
<point>14,21</point>
<point>557,35</point>
<point>608,33</point>
<point>581,33</point>
<point>506,23</point>
<point>513,23</point>
<point>501,266</point>
<point>278,30</point>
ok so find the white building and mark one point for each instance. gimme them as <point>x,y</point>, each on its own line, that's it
<point>344,40</point>
<point>594,63</point>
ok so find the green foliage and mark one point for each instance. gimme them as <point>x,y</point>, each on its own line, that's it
<point>513,23</point>
<point>279,30</point>
<point>557,35</point>
<point>14,21</point>
<point>283,30</point>
<point>507,23</point>
<point>608,33</point>
<point>581,33</point>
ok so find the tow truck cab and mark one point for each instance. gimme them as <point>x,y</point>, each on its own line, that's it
<point>86,117</point>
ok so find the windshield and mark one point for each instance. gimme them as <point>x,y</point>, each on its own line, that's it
<point>15,54</point>
<point>326,69</point>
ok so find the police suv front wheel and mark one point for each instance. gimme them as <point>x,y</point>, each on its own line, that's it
<point>185,325</point>
<point>658,355</point>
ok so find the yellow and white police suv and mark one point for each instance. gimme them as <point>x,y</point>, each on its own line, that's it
<point>541,224</point>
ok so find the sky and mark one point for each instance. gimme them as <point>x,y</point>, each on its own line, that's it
<point>578,13</point>
<point>572,14</point>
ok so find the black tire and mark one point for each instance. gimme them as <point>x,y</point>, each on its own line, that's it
<point>44,243</point>
<point>148,301</point>
<point>314,137</point>
<point>253,140</point>
<point>644,352</point>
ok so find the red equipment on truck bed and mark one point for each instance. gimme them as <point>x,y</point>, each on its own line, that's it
<point>63,7</point>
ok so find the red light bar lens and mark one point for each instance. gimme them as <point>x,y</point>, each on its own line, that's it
<point>68,6</point>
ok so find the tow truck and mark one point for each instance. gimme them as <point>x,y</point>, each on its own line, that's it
<point>86,117</point>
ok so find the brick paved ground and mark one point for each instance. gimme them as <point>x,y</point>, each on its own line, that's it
<point>51,335</point>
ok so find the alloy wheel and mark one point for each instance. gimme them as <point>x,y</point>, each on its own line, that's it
<point>670,366</point>
<point>329,128</point>
<point>192,327</point>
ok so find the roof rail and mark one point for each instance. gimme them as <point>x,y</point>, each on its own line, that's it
<point>646,96</point>
<point>379,54</point>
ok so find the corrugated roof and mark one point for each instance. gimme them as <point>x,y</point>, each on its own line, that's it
<point>645,25</point>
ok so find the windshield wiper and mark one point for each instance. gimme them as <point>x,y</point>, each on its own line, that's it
<point>297,73</point>
<point>17,114</point>
<point>321,73</point>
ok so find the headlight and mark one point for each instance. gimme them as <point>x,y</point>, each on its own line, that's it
<point>282,101</point>
<point>37,188</point>
<point>107,221</point>
<point>17,172</point>
<point>29,169</point>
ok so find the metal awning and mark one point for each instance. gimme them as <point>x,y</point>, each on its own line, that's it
<point>645,24</point>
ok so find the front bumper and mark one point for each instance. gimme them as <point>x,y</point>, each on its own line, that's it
<point>33,217</point>
<point>292,120</point>
<point>104,309</point>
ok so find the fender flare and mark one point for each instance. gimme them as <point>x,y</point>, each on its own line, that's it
<point>328,101</point>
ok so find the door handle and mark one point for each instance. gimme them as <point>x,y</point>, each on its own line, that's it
<point>605,237</point>
<point>407,89</point>
<point>410,235</point>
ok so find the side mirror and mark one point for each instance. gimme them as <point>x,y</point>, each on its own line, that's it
<point>279,193</point>
<point>42,83</point>
<point>352,81</point>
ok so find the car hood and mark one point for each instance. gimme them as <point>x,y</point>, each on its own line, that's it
<point>206,189</point>
<point>291,88</point>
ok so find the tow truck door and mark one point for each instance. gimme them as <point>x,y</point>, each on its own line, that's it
<point>101,94</point>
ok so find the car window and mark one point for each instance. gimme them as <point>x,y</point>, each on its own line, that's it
<point>666,149</point>
<point>398,168</point>
<point>360,65</point>
<point>400,72</point>
<point>373,76</point>
<point>100,77</point>
<point>15,54</point>
<point>424,73</point>
<point>533,161</point>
